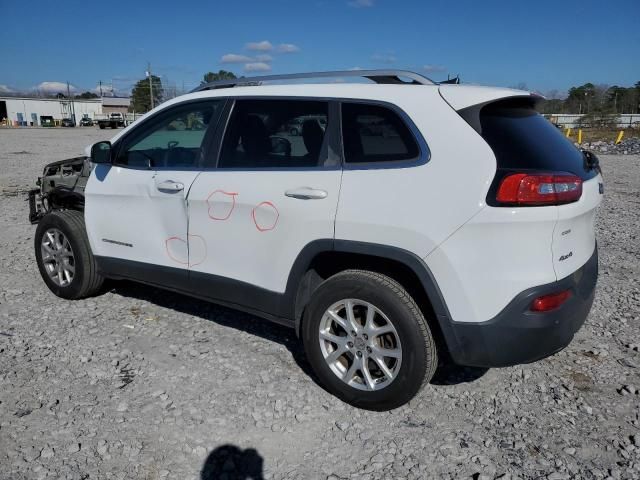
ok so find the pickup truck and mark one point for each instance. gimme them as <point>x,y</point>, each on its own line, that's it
<point>113,120</point>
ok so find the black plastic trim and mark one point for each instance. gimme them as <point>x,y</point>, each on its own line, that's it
<point>517,335</point>
<point>274,306</point>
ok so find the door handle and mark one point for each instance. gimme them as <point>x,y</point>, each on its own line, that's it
<point>306,193</point>
<point>170,186</point>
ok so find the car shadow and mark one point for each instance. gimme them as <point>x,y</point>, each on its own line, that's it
<point>230,462</point>
<point>447,373</point>
<point>224,316</point>
<point>451,374</point>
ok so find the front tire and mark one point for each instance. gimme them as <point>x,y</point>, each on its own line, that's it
<point>367,340</point>
<point>64,256</point>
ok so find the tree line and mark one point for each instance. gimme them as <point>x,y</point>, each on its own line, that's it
<point>594,100</point>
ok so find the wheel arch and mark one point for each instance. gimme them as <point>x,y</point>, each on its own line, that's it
<point>324,258</point>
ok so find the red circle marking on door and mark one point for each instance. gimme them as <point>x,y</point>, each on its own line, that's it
<point>168,249</point>
<point>197,260</point>
<point>225,209</point>
<point>265,224</point>
<point>201,258</point>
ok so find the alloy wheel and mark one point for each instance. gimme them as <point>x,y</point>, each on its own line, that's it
<point>57,257</point>
<point>360,344</point>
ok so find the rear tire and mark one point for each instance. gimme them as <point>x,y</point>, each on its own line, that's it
<point>64,256</point>
<point>396,334</point>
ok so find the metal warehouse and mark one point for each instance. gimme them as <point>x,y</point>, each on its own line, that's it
<point>22,111</point>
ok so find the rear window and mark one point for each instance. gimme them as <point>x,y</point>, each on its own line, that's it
<point>524,140</point>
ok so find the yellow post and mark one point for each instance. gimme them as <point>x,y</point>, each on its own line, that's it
<point>568,132</point>
<point>579,136</point>
<point>620,135</point>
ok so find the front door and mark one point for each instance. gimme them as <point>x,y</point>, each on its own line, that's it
<point>275,190</point>
<point>136,209</point>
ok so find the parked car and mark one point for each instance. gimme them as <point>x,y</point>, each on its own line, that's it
<point>47,121</point>
<point>111,120</point>
<point>67,122</point>
<point>86,122</point>
<point>424,223</point>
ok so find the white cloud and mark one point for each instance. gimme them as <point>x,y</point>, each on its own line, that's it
<point>55,87</point>
<point>6,89</point>
<point>434,68</point>
<point>235,58</point>
<point>288,48</point>
<point>263,46</point>
<point>263,58</point>
<point>355,69</point>
<point>361,3</point>
<point>384,58</point>
<point>257,67</point>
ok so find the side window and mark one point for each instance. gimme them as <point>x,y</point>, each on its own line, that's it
<point>175,140</point>
<point>372,133</point>
<point>275,134</point>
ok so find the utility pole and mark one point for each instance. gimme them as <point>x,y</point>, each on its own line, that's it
<point>150,84</point>
<point>71,109</point>
<point>100,88</point>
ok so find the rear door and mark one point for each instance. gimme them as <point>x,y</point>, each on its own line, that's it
<point>136,210</point>
<point>272,191</point>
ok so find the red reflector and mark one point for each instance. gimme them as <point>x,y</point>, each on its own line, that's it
<point>550,302</point>
<point>526,189</point>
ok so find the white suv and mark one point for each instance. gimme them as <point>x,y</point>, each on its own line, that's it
<point>407,222</point>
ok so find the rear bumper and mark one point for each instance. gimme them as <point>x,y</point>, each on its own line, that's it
<point>517,335</point>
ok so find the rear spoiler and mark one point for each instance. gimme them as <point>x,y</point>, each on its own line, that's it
<point>468,100</point>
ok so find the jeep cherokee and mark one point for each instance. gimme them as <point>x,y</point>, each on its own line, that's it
<point>406,222</point>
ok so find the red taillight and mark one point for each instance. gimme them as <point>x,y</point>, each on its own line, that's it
<point>550,302</point>
<point>534,189</point>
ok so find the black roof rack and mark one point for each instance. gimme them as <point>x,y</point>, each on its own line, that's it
<point>378,76</point>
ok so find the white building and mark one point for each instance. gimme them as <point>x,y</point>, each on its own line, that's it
<point>28,111</point>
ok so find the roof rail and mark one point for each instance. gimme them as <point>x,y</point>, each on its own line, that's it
<point>378,76</point>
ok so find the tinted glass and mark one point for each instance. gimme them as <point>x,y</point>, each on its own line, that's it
<point>275,134</point>
<point>524,140</point>
<point>372,133</point>
<point>173,141</point>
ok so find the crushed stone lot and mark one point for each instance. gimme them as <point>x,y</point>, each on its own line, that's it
<point>142,384</point>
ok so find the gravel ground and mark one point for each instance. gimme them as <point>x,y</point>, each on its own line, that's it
<point>138,383</point>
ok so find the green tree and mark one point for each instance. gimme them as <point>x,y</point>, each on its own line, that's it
<point>141,97</point>
<point>87,95</point>
<point>221,75</point>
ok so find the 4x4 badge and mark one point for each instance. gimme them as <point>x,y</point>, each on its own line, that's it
<point>564,257</point>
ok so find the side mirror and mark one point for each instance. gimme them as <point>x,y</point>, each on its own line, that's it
<point>101,152</point>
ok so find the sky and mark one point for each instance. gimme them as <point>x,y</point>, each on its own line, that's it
<point>545,45</point>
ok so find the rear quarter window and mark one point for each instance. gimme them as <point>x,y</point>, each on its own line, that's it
<point>374,134</point>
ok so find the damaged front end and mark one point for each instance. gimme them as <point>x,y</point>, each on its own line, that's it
<point>61,187</point>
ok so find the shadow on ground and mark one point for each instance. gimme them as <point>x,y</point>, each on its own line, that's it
<point>229,462</point>
<point>447,374</point>
<point>221,315</point>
